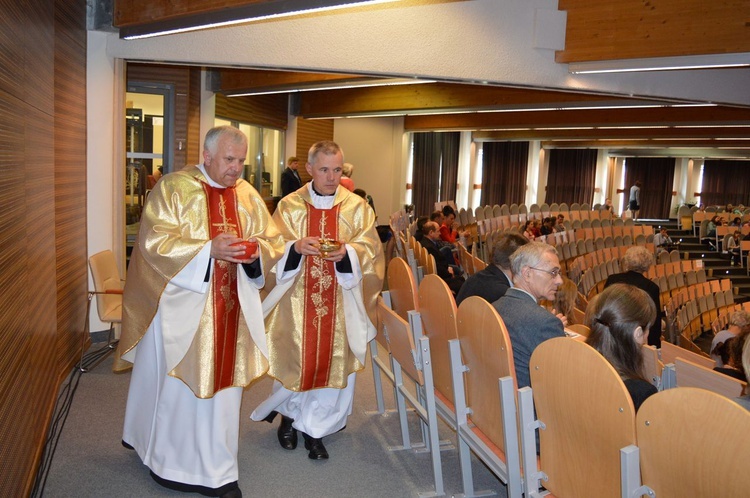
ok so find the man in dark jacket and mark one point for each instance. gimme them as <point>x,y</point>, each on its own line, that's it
<point>290,180</point>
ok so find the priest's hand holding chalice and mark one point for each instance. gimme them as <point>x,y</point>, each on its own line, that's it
<point>328,249</point>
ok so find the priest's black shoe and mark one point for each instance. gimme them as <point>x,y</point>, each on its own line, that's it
<point>315,447</point>
<point>287,434</point>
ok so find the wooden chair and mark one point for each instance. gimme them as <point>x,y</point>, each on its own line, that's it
<point>689,374</point>
<point>402,287</point>
<point>670,352</point>
<point>108,288</point>
<point>438,311</point>
<point>652,365</point>
<point>579,329</point>
<point>683,451</point>
<point>485,416</point>
<point>401,297</point>
<point>410,351</point>
<point>573,386</point>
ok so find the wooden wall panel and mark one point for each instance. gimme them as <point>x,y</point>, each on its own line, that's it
<point>70,176</point>
<point>310,131</point>
<point>42,221</point>
<point>261,110</point>
<point>613,29</point>
<point>194,140</point>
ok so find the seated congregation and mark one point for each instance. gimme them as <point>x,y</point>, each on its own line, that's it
<point>536,377</point>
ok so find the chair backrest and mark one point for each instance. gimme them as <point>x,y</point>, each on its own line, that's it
<point>579,329</point>
<point>670,352</point>
<point>403,288</point>
<point>106,278</point>
<point>486,350</point>
<point>689,374</point>
<point>438,310</point>
<point>683,436</point>
<point>588,415</point>
<point>400,341</point>
<point>652,366</point>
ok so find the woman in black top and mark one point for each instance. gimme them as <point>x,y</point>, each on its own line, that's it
<point>619,321</point>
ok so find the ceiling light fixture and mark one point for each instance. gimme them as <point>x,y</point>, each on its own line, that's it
<point>341,86</point>
<point>255,11</point>
<point>709,61</point>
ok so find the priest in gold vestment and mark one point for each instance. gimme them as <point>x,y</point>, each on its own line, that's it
<point>192,318</point>
<point>321,312</point>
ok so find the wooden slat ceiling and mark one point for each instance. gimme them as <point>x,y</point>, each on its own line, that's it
<point>603,30</point>
<point>616,29</point>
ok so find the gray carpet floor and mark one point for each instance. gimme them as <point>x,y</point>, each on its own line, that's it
<point>90,462</point>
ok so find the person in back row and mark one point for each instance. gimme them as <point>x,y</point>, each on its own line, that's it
<point>536,275</point>
<point>443,263</point>
<point>635,263</point>
<point>619,323</point>
<point>491,283</point>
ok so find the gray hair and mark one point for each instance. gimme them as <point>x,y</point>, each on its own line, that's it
<point>214,134</point>
<point>740,319</point>
<point>327,147</point>
<point>638,259</point>
<point>529,255</point>
<point>347,169</point>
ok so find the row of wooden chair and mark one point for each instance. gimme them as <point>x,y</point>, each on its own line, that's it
<point>479,401</point>
<point>696,306</point>
<point>722,320</point>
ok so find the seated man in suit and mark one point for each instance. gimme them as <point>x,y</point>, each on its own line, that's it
<point>430,238</point>
<point>491,283</point>
<point>635,262</point>
<point>536,275</point>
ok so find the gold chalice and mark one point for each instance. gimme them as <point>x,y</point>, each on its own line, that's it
<point>327,246</point>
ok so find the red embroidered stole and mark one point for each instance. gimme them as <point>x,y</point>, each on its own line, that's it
<point>320,303</point>
<point>223,218</point>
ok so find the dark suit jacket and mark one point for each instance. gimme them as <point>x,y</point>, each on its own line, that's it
<point>441,265</point>
<point>638,280</point>
<point>289,182</point>
<point>490,284</point>
<point>528,326</point>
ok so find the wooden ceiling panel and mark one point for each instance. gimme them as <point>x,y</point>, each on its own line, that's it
<point>616,29</point>
<point>234,81</point>
<point>667,116</point>
<point>445,97</point>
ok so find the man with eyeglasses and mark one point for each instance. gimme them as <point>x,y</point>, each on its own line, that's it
<point>536,275</point>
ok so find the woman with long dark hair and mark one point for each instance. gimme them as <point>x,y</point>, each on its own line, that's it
<point>619,321</point>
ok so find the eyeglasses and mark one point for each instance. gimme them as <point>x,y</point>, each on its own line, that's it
<point>555,273</point>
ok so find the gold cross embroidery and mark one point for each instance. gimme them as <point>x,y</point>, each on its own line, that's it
<point>225,226</point>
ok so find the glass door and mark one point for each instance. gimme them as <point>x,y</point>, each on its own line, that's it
<point>148,116</point>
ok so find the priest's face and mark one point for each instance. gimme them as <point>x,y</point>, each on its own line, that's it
<point>326,172</point>
<point>226,165</point>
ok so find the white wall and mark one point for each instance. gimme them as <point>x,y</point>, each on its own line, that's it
<point>374,147</point>
<point>100,103</point>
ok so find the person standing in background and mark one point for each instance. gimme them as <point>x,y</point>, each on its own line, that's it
<point>635,199</point>
<point>290,180</point>
<point>346,177</point>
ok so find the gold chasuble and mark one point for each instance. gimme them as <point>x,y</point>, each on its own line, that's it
<point>308,334</point>
<point>209,346</point>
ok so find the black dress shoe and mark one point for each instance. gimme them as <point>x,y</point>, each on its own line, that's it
<point>287,434</point>
<point>315,447</point>
<point>126,445</point>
